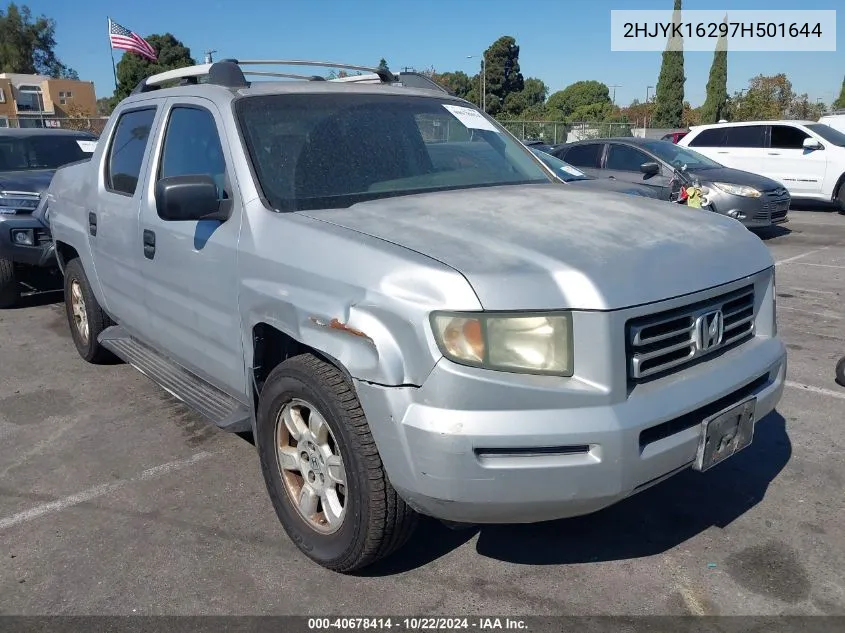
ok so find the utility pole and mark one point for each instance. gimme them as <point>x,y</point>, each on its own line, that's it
<point>208,53</point>
<point>614,86</point>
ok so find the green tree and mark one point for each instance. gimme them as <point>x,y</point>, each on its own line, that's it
<point>458,82</point>
<point>716,104</point>
<point>577,95</point>
<point>840,100</point>
<point>767,98</point>
<point>501,71</point>
<point>382,64</point>
<point>132,68</point>
<point>535,91</point>
<point>28,45</point>
<point>669,92</point>
<point>801,109</point>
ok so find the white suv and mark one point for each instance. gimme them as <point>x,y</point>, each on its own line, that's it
<point>807,157</point>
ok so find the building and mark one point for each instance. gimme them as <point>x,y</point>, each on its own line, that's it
<point>39,101</point>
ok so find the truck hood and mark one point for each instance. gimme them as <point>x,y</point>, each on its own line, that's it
<point>35,181</point>
<point>552,247</point>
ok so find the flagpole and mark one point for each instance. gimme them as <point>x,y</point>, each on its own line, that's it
<point>111,52</point>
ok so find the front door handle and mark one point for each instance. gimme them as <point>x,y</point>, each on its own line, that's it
<point>774,153</point>
<point>612,177</point>
<point>149,244</point>
<point>92,223</point>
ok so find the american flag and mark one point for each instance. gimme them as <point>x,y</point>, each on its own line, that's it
<point>127,40</point>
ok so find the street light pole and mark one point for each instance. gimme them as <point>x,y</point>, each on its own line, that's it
<point>614,86</point>
<point>645,125</point>
<point>482,98</point>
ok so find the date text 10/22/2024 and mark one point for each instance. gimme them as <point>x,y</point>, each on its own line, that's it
<point>419,623</point>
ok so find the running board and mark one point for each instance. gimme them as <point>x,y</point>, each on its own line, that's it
<point>220,408</point>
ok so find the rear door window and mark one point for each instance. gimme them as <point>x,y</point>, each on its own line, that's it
<point>126,153</point>
<point>745,136</point>
<point>587,155</point>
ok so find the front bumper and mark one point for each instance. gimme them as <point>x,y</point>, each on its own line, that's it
<point>758,212</point>
<point>41,254</point>
<point>479,447</point>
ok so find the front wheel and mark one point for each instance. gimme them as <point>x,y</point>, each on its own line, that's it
<point>10,289</point>
<point>322,468</point>
<point>85,316</point>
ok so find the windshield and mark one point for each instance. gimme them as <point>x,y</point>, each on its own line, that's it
<point>319,151</point>
<point>828,133</point>
<point>562,170</point>
<point>680,157</point>
<point>43,151</point>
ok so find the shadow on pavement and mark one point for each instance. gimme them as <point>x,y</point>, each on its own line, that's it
<point>770,232</point>
<point>646,524</point>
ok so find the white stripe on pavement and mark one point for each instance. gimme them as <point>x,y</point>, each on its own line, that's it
<point>98,491</point>
<point>801,256</point>
<point>819,390</point>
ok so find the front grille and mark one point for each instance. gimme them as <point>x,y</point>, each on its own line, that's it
<point>666,341</point>
<point>43,237</point>
<point>775,205</point>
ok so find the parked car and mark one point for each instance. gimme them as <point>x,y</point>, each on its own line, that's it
<point>807,157</point>
<point>754,200</point>
<point>674,137</point>
<point>570,175</point>
<point>463,338</point>
<point>836,120</point>
<point>28,159</point>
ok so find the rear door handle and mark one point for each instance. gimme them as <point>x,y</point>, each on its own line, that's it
<point>92,223</point>
<point>774,153</point>
<point>149,244</point>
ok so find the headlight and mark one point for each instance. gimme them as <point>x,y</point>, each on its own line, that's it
<point>737,190</point>
<point>533,343</point>
<point>10,201</point>
<point>23,237</point>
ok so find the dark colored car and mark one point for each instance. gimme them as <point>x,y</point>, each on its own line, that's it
<point>754,200</point>
<point>572,176</point>
<point>28,159</point>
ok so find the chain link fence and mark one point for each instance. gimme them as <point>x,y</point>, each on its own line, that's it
<point>556,132</point>
<point>94,125</point>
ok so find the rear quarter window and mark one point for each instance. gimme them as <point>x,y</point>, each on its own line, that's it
<point>126,152</point>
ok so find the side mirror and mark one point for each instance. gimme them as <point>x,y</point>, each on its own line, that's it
<point>650,169</point>
<point>187,198</point>
<point>812,143</point>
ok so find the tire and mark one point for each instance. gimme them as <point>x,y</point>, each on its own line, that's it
<point>840,197</point>
<point>78,291</point>
<point>10,289</point>
<point>840,371</point>
<point>375,521</point>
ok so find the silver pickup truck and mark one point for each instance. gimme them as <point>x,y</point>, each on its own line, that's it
<point>404,330</point>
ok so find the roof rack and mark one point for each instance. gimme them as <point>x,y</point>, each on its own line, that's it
<point>228,73</point>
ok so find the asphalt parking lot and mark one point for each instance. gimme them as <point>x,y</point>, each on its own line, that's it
<point>114,499</point>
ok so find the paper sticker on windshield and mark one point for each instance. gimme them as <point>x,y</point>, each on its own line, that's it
<point>572,171</point>
<point>87,146</point>
<point>471,119</point>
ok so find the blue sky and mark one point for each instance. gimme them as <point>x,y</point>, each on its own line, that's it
<point>561,41</point>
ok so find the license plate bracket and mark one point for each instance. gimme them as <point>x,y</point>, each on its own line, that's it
<point>725,433</point>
